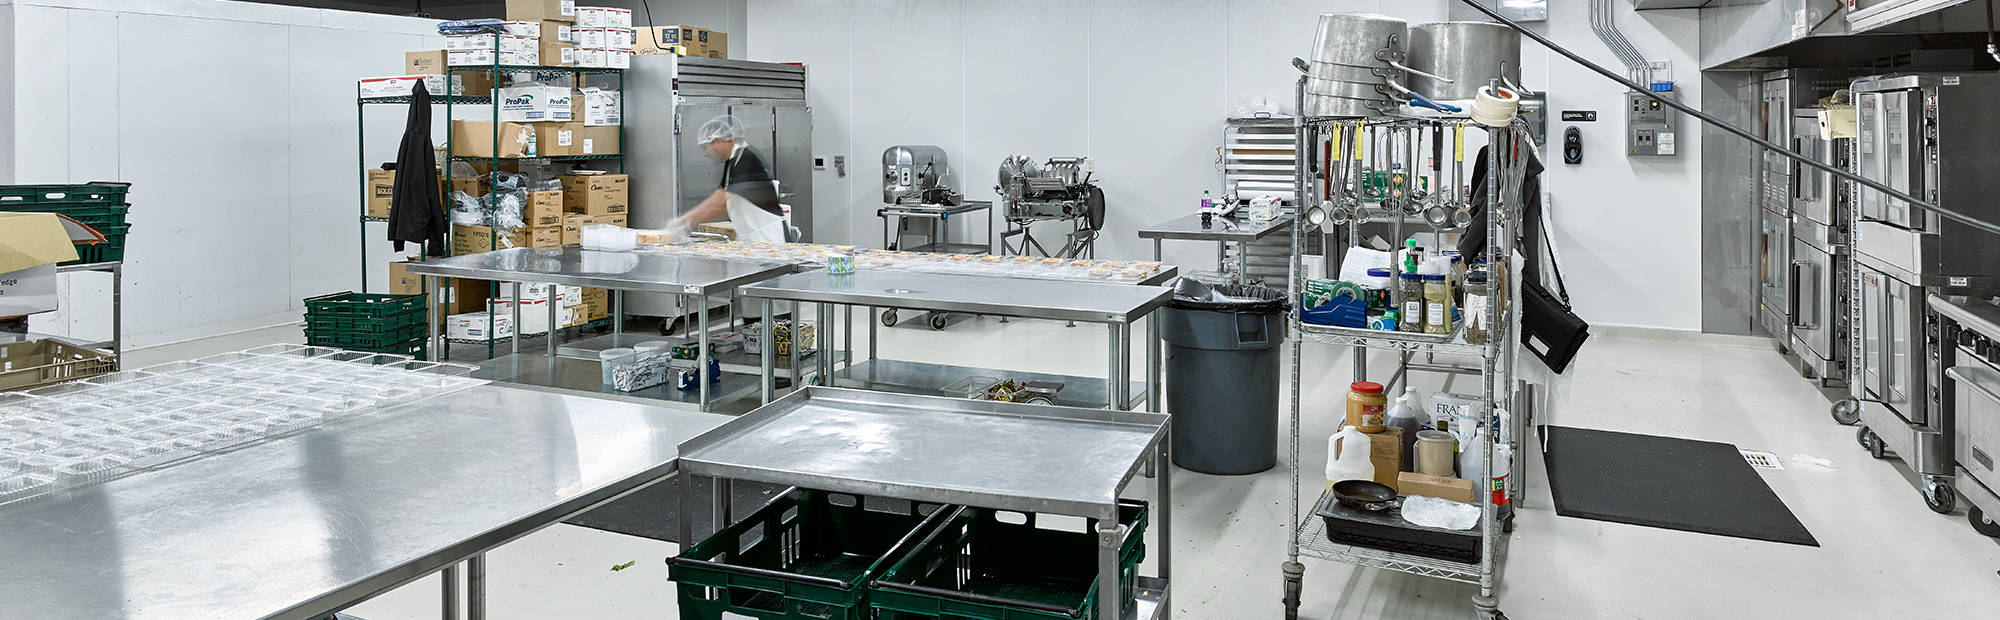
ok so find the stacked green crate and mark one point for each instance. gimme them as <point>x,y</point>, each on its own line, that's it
<point>984,564</point>
<point>372,323</point>
<point>99,205</point>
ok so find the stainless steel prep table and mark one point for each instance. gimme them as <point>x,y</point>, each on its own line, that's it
<point>1972,404</point>
<point>999,455</point>
<point>300,526</point>
<point>940,233</point>
<point>619,272</point>
<point>1223,231</point>
<point>1115,305</point>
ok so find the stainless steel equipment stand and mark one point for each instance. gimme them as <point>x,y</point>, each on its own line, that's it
<point>940,243</point>
<point>1115,305</point>
<point>116,345</point>
<point>574,368</point>
<point>1969,400</point>
<point>998,455</point>
<point>1375,143</point>
<point>1223,231</point>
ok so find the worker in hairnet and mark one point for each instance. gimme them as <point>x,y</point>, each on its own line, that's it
<point>747,195</point>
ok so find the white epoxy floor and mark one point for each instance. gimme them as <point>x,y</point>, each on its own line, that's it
<point>1882,553</point>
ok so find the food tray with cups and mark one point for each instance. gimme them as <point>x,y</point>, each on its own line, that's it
<point>82,432</point>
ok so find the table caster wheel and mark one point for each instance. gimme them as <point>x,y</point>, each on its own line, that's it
<point>1846,411</point>
<point>1871,442</point>
<point>1939,496</point>
<point>1981,523</point>
<point>888,318</point>
<point>670,327</point>
<point>938,322</point>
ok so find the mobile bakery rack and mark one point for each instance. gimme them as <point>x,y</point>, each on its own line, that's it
<point>574,76</point>
<point>1340,153</point>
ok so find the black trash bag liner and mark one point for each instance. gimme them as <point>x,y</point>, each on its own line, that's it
<point>1193,295</point>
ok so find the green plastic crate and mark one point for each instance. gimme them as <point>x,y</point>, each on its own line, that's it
<point>113,249</point>
<point>978,566</point>
<point>367,339</point>
<point>103,193</point>
<point>417,348</point>
<point>357,322</point>
<point>363,304</point>
<point>807,554</point>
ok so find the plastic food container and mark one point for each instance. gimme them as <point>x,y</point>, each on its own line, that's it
<point>609,359</point>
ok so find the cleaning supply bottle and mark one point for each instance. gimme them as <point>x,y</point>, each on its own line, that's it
<point>1472,458</point>
<point>1206,204</point>
<point>1407,414</point>
<point>1347,456</point>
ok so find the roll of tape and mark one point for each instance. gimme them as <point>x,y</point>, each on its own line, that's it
<point>1495,107</point>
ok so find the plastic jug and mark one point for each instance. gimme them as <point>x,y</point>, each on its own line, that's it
<point>1472,457</point>
<point>1348,464</point>
<point>1407,414</point>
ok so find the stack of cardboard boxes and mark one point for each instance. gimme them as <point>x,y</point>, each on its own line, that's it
<point>682,40</point>
<point>593,199</point>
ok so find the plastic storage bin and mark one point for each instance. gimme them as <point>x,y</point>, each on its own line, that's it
<point>977,565</point>
<point>807,554</point>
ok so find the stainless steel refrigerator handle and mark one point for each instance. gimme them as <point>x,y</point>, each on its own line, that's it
<point>1981,380</point>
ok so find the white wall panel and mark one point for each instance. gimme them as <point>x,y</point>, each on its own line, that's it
<point>1027,92</point>
<point>816,34</point>
<point>42,82</point>
<point>908,78</point>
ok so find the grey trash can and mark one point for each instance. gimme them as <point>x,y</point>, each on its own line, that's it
<point>1222,376</point>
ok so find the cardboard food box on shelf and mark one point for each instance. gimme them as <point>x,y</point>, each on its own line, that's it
<point>484,58</point>
<point>476,239</point>
<point>1454,489</point>
<point>683,40</point>
<point>479,326</point>
<point>557,32</point>
<point>30,246</point>
<point>546,236</point>
<point>405,85</point>
<point>588,37</point>
<point>618,59</point>
<point>475,139</point>
<point>559,139</point>
<point>726,229</point>
<point>381,187</point>
<point>542,10</point>
<point>603,16</point>
<point>535,103</point>
<point>438,62</point>
<point>589,58</point>
<point>572,228</point>
<point>558,55</point>
<point>465,295</point>
<point>402,282</point>
<point>544,209</point>
<point>599,141</point>
<point>596,303</point>
<point>601,108</point>
<point>618,220</point>
<point>523,28</point>
<point>1386,453</point>
<point>597,194</point>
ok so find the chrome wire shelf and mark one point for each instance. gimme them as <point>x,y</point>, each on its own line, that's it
<point>1314,543</point>
<point>435,100</point>
<point>1453,344</point>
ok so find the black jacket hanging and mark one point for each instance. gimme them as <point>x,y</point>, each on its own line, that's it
<point>1473,241</point>
<point>416,211</point>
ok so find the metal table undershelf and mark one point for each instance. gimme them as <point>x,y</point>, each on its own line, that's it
<point>1223,231</point>
<point>1004,456</point>
<point>1115,305</point>
<point>740,362</point>
<point>619,272</point>
<point>300,526</point>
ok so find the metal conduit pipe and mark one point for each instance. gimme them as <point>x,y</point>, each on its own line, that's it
<point>1739,132</point>
<point>1607,31</point>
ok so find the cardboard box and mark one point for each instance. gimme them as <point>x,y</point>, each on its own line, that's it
<point>683,40</point>
<point>558,54</point>
<point>599,141</point>
<point>588,37</point>
<point>1386,453</point>
<point>434,62</point>
<point>479,326</point>
<point>476,239</point>
<point>557,32</point>
<point>381,186</point>
<point>404,86</point>
<point>535,314</point>
<point>402,282</point>
<point>600,107</point>
<point>475,139</point>
<point>534,104</point>
<point>523,28</point>
<point>589,57</point>
<point>559,139</point>
<point>544,209</point>
<point>609,220</point>
<point>596,303</point>
<point>546,236</point>
<point>572,228</point>
<point>598,194</point>
<point>485,58</point>
<point>726,229</point>
<point>717,45</point>
<point>539,291</point>
<point>542,10</point>
<point>618,59</point>
<point>465,295</point>
<point>1454,489</point>
<point>30,246</point>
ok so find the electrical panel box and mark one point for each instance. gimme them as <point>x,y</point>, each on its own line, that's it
<point>1650,127</point>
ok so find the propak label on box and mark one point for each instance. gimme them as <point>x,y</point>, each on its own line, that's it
<point>530,104</point>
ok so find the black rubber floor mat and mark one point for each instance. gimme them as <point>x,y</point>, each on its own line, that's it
<point>1665,482</point>
<point>652,512</point>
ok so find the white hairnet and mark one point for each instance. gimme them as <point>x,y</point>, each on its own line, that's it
<point>723,127</point>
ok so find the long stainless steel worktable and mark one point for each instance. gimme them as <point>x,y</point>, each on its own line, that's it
<point>1115,305</point>
<point>300,526</point>
<point>620,272</point>
<point>998,455</point>
<point>1223,231</point>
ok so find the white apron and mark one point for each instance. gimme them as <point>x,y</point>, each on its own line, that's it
<point>754,225</point>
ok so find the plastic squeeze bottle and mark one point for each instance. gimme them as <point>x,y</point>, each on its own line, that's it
<point>1352,462</point>
<point>1407,414</point>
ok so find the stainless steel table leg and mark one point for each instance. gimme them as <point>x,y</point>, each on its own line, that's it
<point>686,514</point>
<point>118,309</point>
<point>847,333</point>
<point>1119,389</point>
<point>874,319</point>
<point>701,352</point>
<point>1163,507</point>
<point>1156,250</point>
<point>825,344</point>
<point>764,360</point>
<point>520,329</point>
<point>555,303</point>
<point>1152,370</point>
<point>1242,262</point>
<point>618,312</point>
<point>1108,535</point>
<point>436,336</point>
<point>798,378</point>
<point>450,578</point>
<point>475,587</point>
<point>719,510</point>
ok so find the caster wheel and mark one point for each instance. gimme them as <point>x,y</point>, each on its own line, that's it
<point>1784,350</point>
<point>1806,372</point>
<point>1871,442</point>
<point>888,318</point>
<point>1846,411</point>
<point>1981,523</point>
<point>938,322</point>
<point>669,328</point>
<point>1939,496</point>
